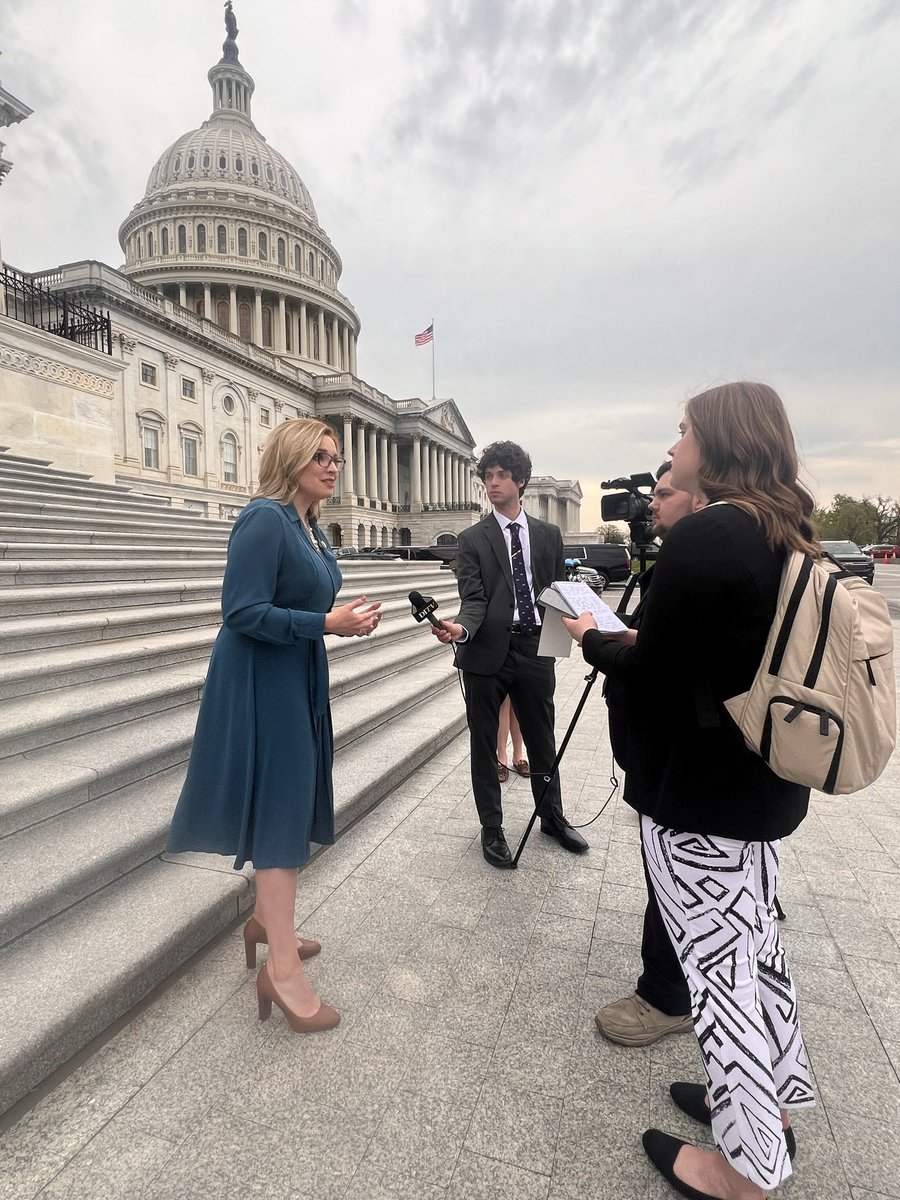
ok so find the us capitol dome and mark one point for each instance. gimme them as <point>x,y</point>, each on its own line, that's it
<point>227,229</point>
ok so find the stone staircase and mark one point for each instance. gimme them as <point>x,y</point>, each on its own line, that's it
<point>109,605</point>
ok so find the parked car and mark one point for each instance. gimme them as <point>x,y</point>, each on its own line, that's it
<point>852,559</point>
<point>611,562</point>
<point>883,552</point>
<point>576,573</point>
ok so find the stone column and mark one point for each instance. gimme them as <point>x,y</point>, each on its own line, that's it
<point>383,466</point>
<point>182,295</point>
<point>345,348</point>
<point>373,463</point>
<point>449,473</point>
<point>353,369</point>
<point>348,452</point>
<point>232,308</point>
<point>323,355</point>
<point>280,346</point>
<point>442,476</point>
<point>433,473</point>
<point>360,464</point>
<point>415,471</point>
<point>426,472</point>
<point>256,335</point>
<point>336,342</point>
<point>304,331</point>
<point>207,302</point>
<point>393,474</point>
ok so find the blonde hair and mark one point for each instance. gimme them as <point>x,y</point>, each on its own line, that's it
<point>748,457</point>
<point>290,448</point>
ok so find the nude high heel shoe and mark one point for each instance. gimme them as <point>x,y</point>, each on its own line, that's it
<point>255,934</point>
<point>323,1018</point>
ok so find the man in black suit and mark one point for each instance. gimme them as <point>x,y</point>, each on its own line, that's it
<point>504,563</point>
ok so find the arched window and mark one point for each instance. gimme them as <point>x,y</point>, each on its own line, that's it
<point>200,308</point>
<point>360,536</point>
<point>242,242</point>
<point>238,163</point>
<point>282,179</point>
<point>177,162</point>
<point>229,458</point>
<point>266,325</point>
<point>201,239</point>
<point>164,239</point>
<point>223,316</point>
<point>384,535</point>
<point>182,240</point>
<point>298,260</point>
<point>191,161</point>
<point>310,264</point>
<point>321,268</point>
<point>149,243</point>
<point>282,252</point>
<point>315,341</point>
<point>405,537</point>
<point>244,322</point>
<point>223,162</point>
<point>222,240</point>
<point>254,168</point>
<point>335,536</point>
<point>262,242</point>
<point>373,536</point>
<point>270,174</point>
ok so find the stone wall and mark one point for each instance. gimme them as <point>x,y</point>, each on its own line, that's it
<point>58,400</point>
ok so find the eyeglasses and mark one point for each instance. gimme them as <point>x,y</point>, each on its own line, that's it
<point>324,459</point>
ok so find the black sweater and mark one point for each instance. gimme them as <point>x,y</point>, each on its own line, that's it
<point>703,628</point>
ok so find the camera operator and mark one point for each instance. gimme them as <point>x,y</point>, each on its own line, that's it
<point>661,1003</point>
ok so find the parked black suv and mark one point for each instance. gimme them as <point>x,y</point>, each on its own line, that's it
<point>852,559</point>
<point>610,561</point>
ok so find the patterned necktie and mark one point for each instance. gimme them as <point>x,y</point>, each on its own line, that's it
<point>527,621</point>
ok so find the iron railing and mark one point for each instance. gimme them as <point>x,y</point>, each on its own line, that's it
<point>32,304</point>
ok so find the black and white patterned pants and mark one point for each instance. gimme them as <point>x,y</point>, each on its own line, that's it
<point>715,895</point>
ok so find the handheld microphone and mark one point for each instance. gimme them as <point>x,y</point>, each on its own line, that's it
<point>423,609</point>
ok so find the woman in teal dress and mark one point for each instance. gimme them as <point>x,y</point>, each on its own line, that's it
<point>259,780</point>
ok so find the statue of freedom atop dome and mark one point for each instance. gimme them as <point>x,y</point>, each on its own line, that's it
<point>229,46</point>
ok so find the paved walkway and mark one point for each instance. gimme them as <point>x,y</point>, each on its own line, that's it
<point>467,1064</point>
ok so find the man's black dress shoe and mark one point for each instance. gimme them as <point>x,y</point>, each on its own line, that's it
<point>662,1150</point>
<point>494,847</point>
<point>568,837</point>
<point>691,1099</point>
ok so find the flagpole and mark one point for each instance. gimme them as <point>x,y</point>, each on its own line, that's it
<point>433,389</point>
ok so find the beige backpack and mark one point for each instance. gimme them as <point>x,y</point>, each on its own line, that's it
<point>822,710</point>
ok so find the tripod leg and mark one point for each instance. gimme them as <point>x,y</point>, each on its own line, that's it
<point>548,779</point>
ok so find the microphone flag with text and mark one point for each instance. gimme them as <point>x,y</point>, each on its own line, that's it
<point>423,608</point>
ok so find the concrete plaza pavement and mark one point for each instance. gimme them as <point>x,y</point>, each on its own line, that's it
<point>467,1064</point>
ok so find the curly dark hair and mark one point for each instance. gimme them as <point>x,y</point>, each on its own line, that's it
<point>509,457</point>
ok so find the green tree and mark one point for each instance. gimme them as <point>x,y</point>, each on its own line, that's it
<point>848,519</point>
<point>612,533</point>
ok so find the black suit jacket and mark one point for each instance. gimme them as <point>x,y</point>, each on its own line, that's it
<point>486,587</point>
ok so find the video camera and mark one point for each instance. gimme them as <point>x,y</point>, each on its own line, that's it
<point>631,505</point>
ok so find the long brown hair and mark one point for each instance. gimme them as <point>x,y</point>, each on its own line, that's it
<point>291,447</point>
<point>748,457</point>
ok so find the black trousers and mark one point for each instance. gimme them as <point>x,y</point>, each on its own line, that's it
<point>662,982</point>
<point>529,681</point>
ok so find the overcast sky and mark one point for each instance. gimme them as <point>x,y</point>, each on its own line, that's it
<point>605,205</point>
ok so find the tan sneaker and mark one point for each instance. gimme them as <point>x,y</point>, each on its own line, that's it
<point>634,1022</point>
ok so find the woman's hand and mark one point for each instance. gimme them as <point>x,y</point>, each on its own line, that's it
<point>353,620</point>
<point>578,626</point>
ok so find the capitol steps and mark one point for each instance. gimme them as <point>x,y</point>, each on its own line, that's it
<point>102,664</point>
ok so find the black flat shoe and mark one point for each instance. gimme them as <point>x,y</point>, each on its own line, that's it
<point>691,1099</point>
<point>568,837</point>
<point>662,1150</point>
<point>494,847</point>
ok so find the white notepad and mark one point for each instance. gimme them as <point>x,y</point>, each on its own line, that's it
<point>564,599</point>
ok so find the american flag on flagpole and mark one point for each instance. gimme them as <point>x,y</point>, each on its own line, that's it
<point>426,336</point>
